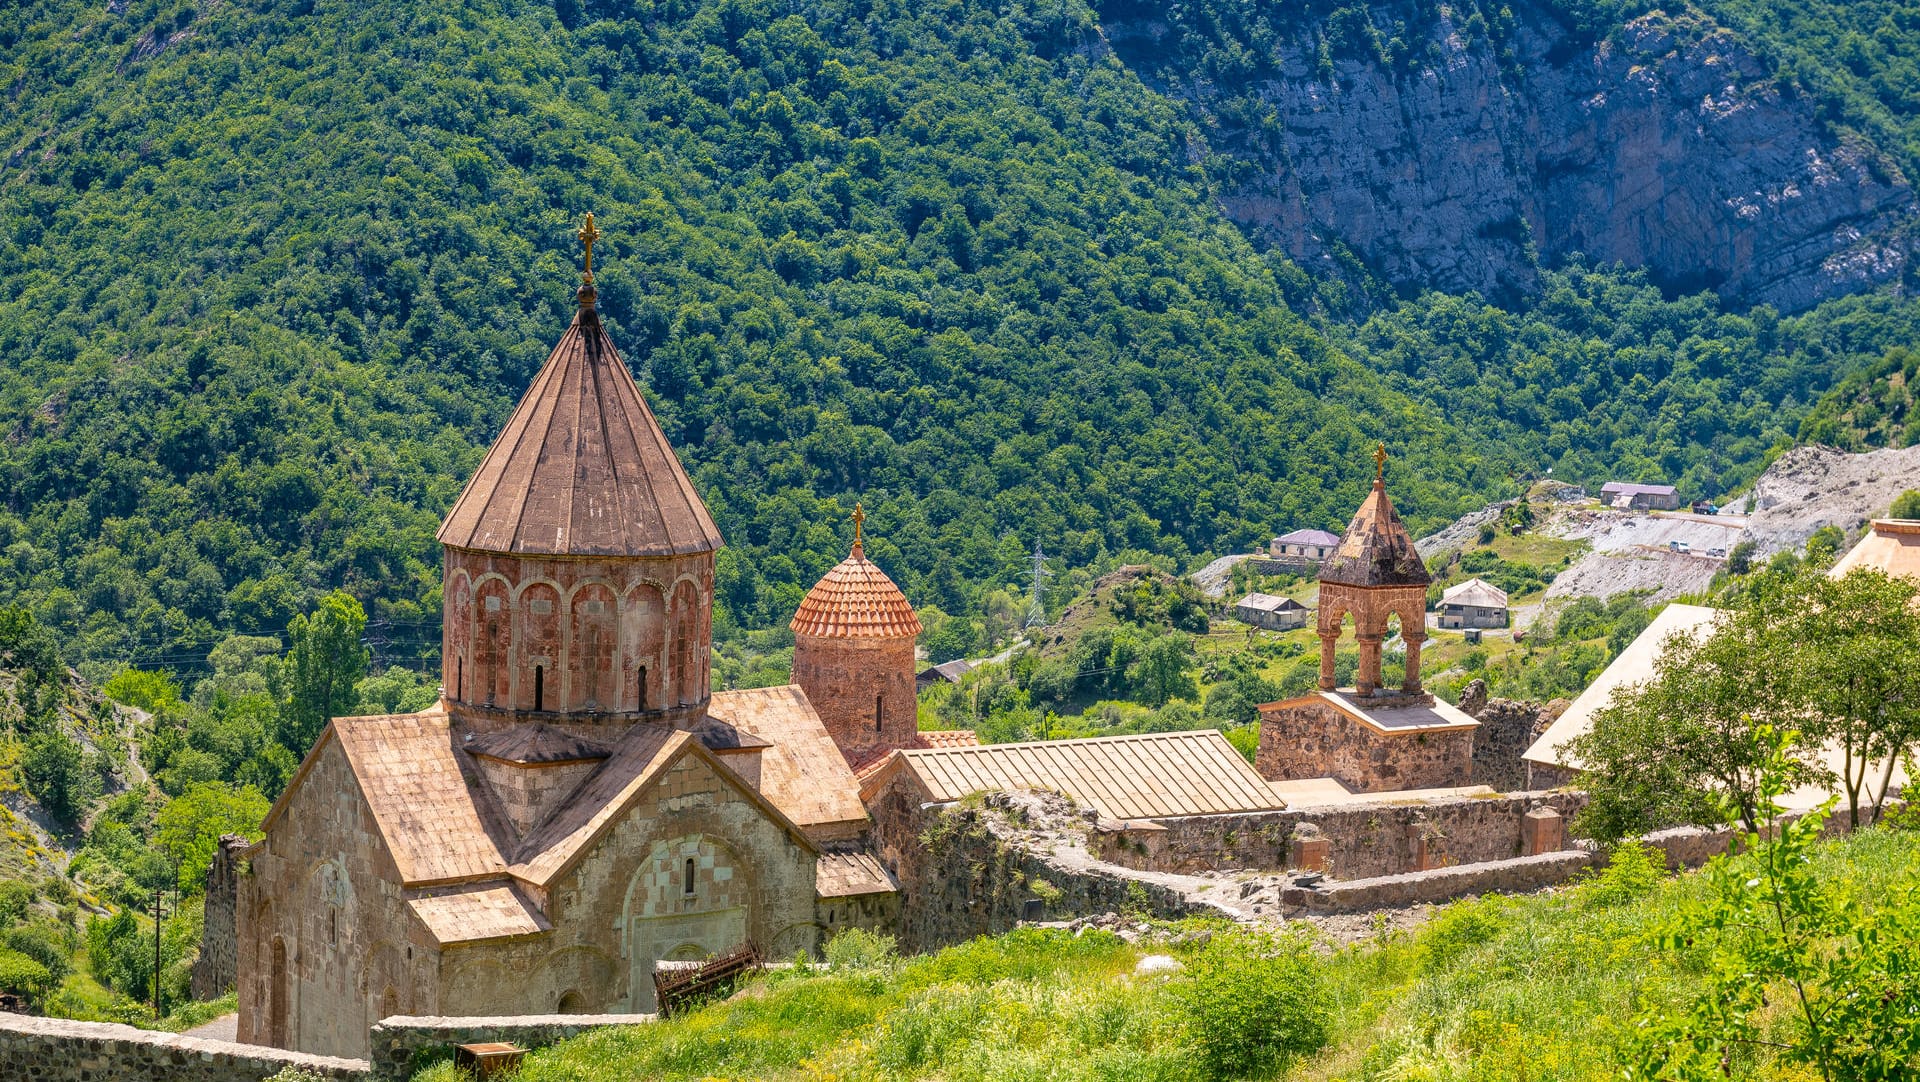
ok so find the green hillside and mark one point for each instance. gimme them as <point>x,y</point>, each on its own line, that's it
<point>1873,407</point>
<point>276,269</point>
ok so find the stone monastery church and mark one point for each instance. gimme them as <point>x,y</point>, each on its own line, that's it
<point>578,806</point>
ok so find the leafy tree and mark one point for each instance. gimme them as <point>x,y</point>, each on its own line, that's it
<point>1906,505</point>
<point>1680,748</point>
<point>55,770</point>
<point>1824,544</point>
<point>153,692</point>
<point>190,826</point>
<point>1855,673</point>
<point>1251,1004</point>
<point>1161,671</point>
<point>1789,966</point>
<point>328,660</point>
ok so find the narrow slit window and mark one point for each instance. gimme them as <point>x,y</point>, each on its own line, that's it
<point>460,679</point>
<point>879,712</point>
<point>643,687</point>
<point>539,686</point>
<point>686,882</point>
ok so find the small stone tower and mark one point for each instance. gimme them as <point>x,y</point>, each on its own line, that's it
<point>1374,574</point>
<point>853,655</point>
<point>579,560</point>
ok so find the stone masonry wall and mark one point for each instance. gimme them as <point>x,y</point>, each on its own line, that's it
<point>961,875</point>
<point>218,961</point>
<point>1365,840</point>
<point>1508,728</point>
<point>1309,738</point>
<point>401,1043</point>
<point>58,1050</point>
<point>846,678</point>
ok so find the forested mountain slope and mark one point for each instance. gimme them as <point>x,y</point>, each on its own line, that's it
<point>275,271</point>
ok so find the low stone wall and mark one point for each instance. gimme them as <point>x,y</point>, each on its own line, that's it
<point>1364,840</point>
<point>400,1043</point>
<point>1517,876</point>
<point>1309,737</point>
<point>215,967</point>
<point>58,1050</point>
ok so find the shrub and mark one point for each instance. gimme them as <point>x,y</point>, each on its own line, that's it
<point>1459,928</point>
<point>857,948</point>
<point>42,943</point>
<point>1251,1003</point>
<point>1634,869</point>
<point>22,975</point>
<point>14,898</point>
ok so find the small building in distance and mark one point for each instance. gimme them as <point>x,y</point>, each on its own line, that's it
<point>1270,612</point>
<point>1627,496</point>
<point>1302,550</point>
<point>947,672</point>
<point>1473,603</point>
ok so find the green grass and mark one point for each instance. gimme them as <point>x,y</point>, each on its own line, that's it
<point>1542,988</point>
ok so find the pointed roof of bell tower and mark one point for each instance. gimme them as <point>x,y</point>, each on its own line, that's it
<point>856,600</point>
<point>582,468</point>
<point>1376,550</point>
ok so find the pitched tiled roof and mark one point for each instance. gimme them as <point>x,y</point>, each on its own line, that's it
<point>537,743</point>
<point>477,912</point>
<point>868,763</point>
<point>803,772</point>
<point>1376,550</point>
<point>435,823</point>
<point>849,875</point>
<point>1268,603</point>
<point>1159,775</point>
<point>582,466</point>
<point>1474,592</point>
<point>949,738</point>
<point>856,600</point>
<point>642,757</point>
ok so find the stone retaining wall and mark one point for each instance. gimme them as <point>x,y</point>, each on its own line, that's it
<point>400,1043</point>
<point>59,1050</point>
<point>1364,840</point>
<point>1517,876</point>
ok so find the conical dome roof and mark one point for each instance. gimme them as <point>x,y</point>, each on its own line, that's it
<point>1375,550</point>
<point>582,468</point>
<point>856,600</point>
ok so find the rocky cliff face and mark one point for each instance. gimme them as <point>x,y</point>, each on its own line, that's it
<point>1666,145</point>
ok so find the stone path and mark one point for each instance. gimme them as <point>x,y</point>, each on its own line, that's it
<point>224,1028</point>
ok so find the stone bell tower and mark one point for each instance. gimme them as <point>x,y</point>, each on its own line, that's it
<point>579,560</point>
<point>1373,575</point>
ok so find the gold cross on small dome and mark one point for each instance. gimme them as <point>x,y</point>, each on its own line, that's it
<point>1380,463</point>
<point>588,234</point>
<point>859,516</point>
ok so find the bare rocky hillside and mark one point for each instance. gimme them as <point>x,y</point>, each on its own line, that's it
<point>1437,162</point>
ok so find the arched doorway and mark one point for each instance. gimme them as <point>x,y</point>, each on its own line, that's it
<point>277,1028</point>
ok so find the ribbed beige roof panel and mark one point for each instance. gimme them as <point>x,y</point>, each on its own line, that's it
<point>1153,776</point>
<point>803,772</point>
<point>582,468</point>
<point>427,810</point>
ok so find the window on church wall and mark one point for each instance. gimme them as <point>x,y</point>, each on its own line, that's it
<point>686,879</point>
<point>541,645</point>
<point>879,712</point>
<point>643,627</point>
<point>539,687</point>
<point>640,688</point>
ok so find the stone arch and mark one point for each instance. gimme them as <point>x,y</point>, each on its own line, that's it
<point>660,920</point>
<point>279,995</point>
<point>593,647</point>
<point>689,663</point>
<point>493,637</point>
<point>570,1002</point>
<point>456,632</point>
<point>643,626</point>
<point>542,652</point>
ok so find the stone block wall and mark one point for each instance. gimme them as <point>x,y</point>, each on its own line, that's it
<point>1311,738</point>
<point>400,1043</point>
<point>218,961</point>
<point>848,679</point>
<point>59,1050</point>
<point>1508,728</point>
<point>1363,840</point>
<point>963,871</point>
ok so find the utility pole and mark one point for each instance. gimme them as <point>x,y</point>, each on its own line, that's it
<point>1037,612</point>
<point>159,894</point>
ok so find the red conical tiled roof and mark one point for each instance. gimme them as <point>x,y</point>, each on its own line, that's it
<point>856,600</point>
<point>582,467</point>
<point>1375,550</point>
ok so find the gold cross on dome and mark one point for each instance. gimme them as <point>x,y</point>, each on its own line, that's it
<point>1380,463</point>
<point>588,234</point>
<point>859,516</point>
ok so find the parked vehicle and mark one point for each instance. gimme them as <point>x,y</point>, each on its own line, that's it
<point>1679,546</point>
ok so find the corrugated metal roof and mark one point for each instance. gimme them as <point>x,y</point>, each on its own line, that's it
<point>1151,776</point>
<point>848,875</point>
<point>1309,537</point>
<point>1268,603</point>
<point>1630,488</point>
